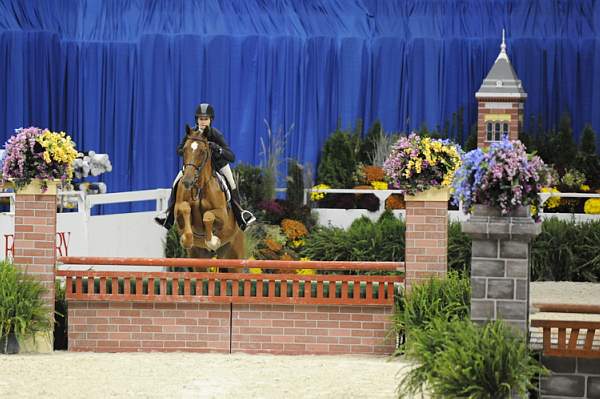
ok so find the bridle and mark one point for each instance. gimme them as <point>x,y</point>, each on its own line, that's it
<point>198,169</point>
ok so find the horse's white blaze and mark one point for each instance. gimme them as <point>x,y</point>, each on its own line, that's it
<point>194,146</point>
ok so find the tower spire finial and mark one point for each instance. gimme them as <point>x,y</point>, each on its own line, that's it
<point>503,53</point>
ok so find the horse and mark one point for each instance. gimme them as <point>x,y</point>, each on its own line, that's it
<point>206,222</point>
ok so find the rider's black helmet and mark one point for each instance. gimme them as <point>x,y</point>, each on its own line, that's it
<point>205,109</point>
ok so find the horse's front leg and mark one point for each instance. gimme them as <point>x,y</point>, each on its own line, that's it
<point>183,219</point>
<point>212,241</point>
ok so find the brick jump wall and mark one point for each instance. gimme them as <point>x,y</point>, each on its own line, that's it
<point>252,328</point>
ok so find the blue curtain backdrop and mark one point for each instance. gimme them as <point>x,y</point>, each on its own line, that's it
<point>123,77</point>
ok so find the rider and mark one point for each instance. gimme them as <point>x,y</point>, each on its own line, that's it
<point>221,157</point>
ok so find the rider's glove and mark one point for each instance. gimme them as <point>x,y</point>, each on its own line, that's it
<point>215,148</point>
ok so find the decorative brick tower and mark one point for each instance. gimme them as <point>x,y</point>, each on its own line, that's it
<point>500,102</point>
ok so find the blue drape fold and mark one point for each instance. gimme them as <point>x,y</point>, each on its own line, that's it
<point>124,77</point>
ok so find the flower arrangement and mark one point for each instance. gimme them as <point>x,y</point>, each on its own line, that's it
<point>502,176</point>
<point>418,163</point>
<point>33,153</point>
<point>317,196</point>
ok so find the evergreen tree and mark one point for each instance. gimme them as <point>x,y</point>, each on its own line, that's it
<point>471,142</point>
<point>588,140</point>
<point>295,184</point>
<point>565,149</point>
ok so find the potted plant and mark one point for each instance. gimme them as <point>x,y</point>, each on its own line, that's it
<point>422,164</point>
<point>23,312</point>
<point>35,158</point>
<point>502,177</point>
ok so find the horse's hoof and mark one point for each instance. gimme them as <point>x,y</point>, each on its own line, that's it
<point>187,241</point>
<point>214,243</point>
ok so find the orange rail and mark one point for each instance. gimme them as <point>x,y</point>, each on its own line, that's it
<point>555,342</point>
<point>567,308</point>
<point>234,263</point>
<point>204,287</point>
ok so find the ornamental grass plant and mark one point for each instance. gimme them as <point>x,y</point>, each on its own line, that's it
<point>33,153</point>
<point>418,163</point>
<point>23,312</point>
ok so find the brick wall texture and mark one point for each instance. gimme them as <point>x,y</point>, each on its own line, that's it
<point>426,240</point>
<point>35,239</point>
<point>278,329</point>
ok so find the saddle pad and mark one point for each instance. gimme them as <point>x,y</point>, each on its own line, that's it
<point>223,184</point>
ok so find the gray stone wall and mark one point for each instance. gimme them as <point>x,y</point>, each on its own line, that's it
<point>570,377</point>
<point>500,265</point>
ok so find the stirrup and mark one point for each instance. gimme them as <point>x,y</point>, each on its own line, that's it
<point>251,219</point>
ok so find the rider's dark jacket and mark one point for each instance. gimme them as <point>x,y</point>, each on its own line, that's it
<point>221,159</point>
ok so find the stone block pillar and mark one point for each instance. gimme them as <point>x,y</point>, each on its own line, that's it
<point>426,236</point>
<point>500,265</point>
<point>35,246</point>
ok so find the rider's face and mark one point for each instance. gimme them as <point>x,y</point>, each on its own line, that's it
<point>203,122</point>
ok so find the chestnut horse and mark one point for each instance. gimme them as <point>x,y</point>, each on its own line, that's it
<point>206,222</point>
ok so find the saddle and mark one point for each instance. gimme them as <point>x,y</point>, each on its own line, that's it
<point>223,185</point>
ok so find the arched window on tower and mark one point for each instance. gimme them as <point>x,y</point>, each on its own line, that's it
<point>496,130</point>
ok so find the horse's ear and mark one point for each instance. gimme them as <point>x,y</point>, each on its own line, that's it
<point>188,130</point>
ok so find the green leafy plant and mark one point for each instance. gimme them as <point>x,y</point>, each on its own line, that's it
<point>458,359</point>
<point>363,241</point>
<point>438,298</point>
<point>566,251</point>
<point>60,317</point>
<point>23,312</point>
<point>173,248</point>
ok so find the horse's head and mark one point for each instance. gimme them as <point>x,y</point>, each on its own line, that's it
<point>196,159</point>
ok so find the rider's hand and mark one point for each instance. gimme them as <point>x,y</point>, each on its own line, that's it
<point>215,148</point>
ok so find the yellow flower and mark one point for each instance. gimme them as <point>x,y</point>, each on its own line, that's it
<point>305,272</point>
<point>379,185</point>
<point>297,243</point>
<point>584,187</point>
<point>318,196</point>
<point>553,202</point>
<point>255,270</point>
<point>592,206</point>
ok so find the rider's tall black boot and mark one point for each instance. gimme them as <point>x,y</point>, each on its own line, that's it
<point>243,217</point>
<point>167,220</point>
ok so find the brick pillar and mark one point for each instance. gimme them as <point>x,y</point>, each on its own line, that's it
<point>426,235</point>
<point>34,245</point>
<point>500,265</point>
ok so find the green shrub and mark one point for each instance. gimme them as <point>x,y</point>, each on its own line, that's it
<point>459,249</point>
<point>173,248</point>
<point>22,309</point>
<point>250,180</point>
<point>339,158</point>
<point>445,298</point>
<point>363,241</point>
<point>566,251</point>
<point>295,184</point>
<point>458,359</point>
